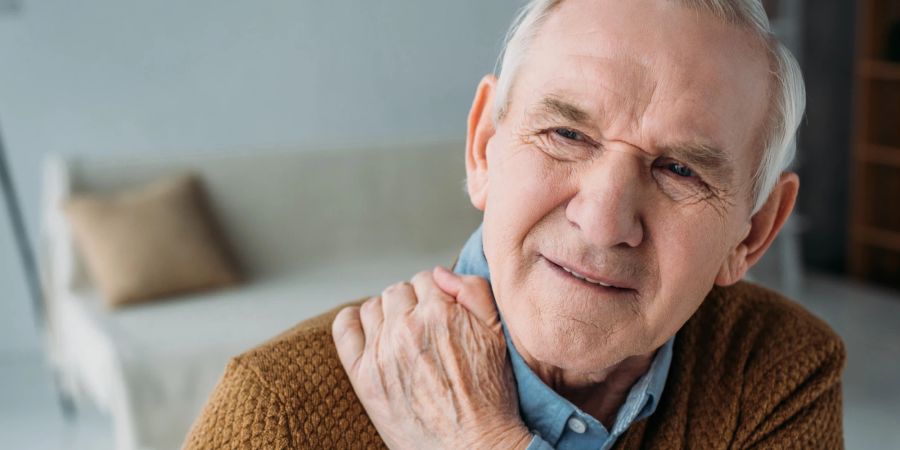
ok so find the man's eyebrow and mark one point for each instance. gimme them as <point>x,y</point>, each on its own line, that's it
<point>557,107</point>
<point>707,159</point>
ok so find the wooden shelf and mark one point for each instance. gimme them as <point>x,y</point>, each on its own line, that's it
<point>874,244</point>
<point>880,70</point>
<point>876,237</point>
<point>883,155</point>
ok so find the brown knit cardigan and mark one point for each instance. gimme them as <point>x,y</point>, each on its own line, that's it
<point>750,369</point>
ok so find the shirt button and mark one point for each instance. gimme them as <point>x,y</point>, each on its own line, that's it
<point>577,425</point>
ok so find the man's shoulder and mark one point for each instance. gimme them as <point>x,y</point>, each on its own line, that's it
<point>289,392</point>
<point>301,368</point>
<point>752,368</point>
<point>752,343</point>
<point>300,360</point>
<point>762,318</point>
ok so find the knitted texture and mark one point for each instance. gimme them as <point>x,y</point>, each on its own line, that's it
<point>750,369</point>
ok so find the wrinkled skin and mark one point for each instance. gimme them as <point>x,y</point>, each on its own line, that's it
<point>429,365</point>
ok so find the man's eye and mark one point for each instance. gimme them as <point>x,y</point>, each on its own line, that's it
<point>571,135</point>
<point>679,181</point>
<point>680,170</point>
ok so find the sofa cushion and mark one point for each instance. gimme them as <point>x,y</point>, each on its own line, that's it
<point>151,242</point>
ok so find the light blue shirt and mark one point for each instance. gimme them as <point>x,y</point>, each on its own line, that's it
<point>555,422</point>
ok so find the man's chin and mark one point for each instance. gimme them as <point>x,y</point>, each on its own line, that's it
<point>577,356</point>
<point>568,340</point>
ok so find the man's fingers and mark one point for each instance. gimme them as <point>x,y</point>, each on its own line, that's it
<point>349,338</point>
<point>428,291</point>
<point>398,299</point>
<point>448,281</point>
<point>471,291</point>
<point>371,316</point>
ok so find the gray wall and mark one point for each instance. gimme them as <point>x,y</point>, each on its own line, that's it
<point>142,76</point>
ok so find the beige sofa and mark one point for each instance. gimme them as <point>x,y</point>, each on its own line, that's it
<point>312,227</point>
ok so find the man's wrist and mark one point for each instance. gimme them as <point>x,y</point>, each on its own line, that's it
<point>539,444</point>
<point>514,437</point>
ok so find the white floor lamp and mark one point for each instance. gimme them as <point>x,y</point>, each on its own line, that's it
<point>26,252</point>
<point>27,257</point>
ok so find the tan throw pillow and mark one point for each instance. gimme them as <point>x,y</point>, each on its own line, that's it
<point>152,242</point>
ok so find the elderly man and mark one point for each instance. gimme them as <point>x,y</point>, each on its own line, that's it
<point>630,162</point>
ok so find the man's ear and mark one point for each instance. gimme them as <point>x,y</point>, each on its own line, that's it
<point>481,129</point>
<point>764,226</point>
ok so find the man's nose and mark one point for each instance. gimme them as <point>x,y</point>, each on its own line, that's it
<point>607,206</point>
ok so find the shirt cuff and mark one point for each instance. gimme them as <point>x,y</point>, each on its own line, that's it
<point>539,444</point>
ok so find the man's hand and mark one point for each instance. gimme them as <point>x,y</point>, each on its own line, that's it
<point>428,361</point>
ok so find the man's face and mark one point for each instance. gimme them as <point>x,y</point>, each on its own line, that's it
<point>626,155</point>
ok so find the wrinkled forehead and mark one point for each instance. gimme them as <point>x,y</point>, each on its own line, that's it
<point>675,73</point>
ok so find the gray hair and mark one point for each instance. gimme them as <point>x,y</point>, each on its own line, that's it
<point>788,100</point>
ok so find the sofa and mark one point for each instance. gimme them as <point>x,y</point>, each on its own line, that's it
<point>311,227</point>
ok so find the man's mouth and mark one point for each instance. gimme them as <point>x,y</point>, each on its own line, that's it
<point>590,279</point>
<point>584,278</point>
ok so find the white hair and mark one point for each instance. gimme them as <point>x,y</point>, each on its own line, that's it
<point>788,99</point>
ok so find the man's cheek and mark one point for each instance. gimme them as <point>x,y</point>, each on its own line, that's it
<point>689,258</point>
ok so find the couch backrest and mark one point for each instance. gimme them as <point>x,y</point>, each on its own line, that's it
<point>285,210</point>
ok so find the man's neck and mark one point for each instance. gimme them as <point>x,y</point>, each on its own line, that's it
<point>600,394</point>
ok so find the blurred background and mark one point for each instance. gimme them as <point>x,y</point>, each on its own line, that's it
<point>292,109</point>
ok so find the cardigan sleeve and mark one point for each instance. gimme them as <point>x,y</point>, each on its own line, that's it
<point>796,403</point>
<point>241,414</point>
